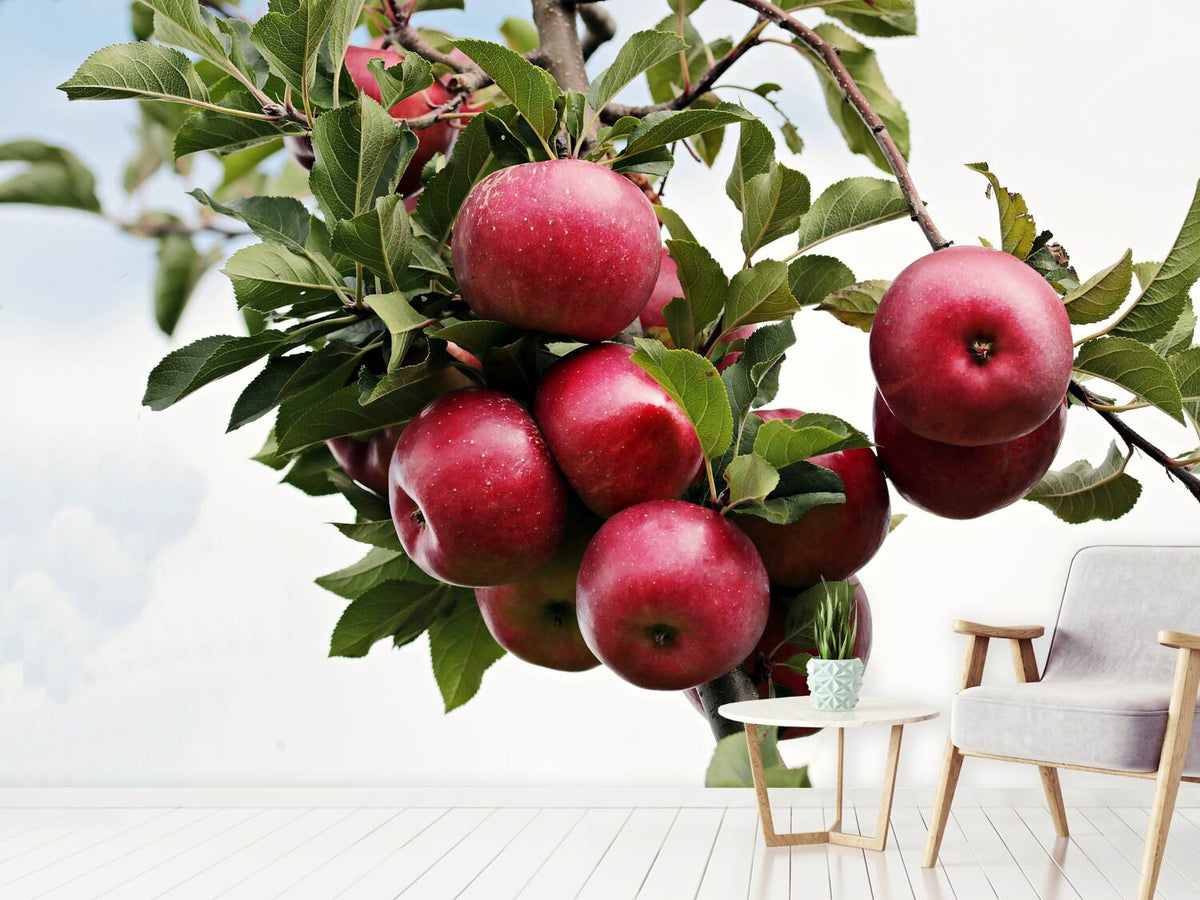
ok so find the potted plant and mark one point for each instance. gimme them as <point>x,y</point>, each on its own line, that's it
<point>835,674</point>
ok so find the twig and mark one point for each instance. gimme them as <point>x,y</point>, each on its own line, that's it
<point>601,28</point>
<point>703,85</point>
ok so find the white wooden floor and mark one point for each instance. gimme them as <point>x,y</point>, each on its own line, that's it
<point>598,853</point>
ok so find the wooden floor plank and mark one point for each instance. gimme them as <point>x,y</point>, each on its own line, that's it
<point>679,867</point>
<point>847,865</point>
<point>727,874</point>
<point>156,873</point>
<point>1039,868</point>
<point>771,871</point>
<point>409,862</point>
<point>994,857</point>
<point>104,826</point>
<point>908,833</point>
<point>50,830</point>
<point>623,869</point>
<point>451,874</point>
<point>16,822</point>
<point>1171,884</point>
<point>505,875</point>
<point>885,869</point>
<point>1185,834</point>
<point>956,858</point>
<point>1181,848</point>
<point>1076,867</point>
<point>568,867</point>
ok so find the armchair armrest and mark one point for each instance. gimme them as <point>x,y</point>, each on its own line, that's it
<point>1012,632</point>
<point>1180,640</point>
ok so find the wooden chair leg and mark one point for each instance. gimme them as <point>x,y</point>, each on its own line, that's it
<point>1054,800</point>
<point>941,803</point>
<point>1170,767</point>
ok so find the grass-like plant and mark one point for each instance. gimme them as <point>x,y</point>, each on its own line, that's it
<point>835,623</point>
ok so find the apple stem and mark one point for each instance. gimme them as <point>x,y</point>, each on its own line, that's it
<point>712,482</point>
<point>729,688</point>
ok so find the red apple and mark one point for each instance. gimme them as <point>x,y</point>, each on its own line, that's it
<point>666,289</point>
<point>767,664</point>
<point>474,493</point>
<point>971,346</point>
<point>671,595</point>
<point>964,482</point>
<point>830,542</point>
<point>464,356</point>
<point>615,433</point>
<point>566,246</point>
<point>534,618</point>
<point>367,461</point>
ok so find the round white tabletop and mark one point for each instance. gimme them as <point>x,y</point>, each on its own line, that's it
<point>799,712</point>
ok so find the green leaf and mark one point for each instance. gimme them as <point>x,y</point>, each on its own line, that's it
<point>269,276</point>
<point>676,227</point>
<point>643,50</point>
<point>774,204</point>
<point>759,294</point>
<point>361,152</point>
<point>782,443</point>
<point>446,191</point>
<point>381,533</point>
<point>864,69</point>
<point>303,423</point>
<point>462,649</point>
<point>681,326</point>
<point>1102,294</point>
<point>265,392</point>
<point>751,478</point>
<point>755,156</point>
<point>803,487</point>
<point>1134,366</point>
<point>730,764</point>
<point>343,19</point>
<point>140,70</point>
<point>1083,493</point>
<point>181,23</point>
<point>1185,367</point>
<point>704,283</point>
<point>1017,228</point>
<point>309,472</point>
<point>184,370</point>
<point>377,567</point>
<point>1181,335</point>
<point>531,89</point>
<point>856,305</point>
<point>141,20</point>
<point>291,40</point>
<point>744,380</point>
<point>1162,301</point>
<point>380,239</point>
<point>283,220</point>
<point>53,177</point>
<point>206,129</point>
<point>850,205</point>
<point>695,386</point>
<point>520,34</point>
<point>813,278</point>
<point>478,335</point>
<point>401,320</point>
<point>180,267</point>
<point>664,127</point>
<point>395,609</point>
<point>412,74</point>
<point>876,18</point>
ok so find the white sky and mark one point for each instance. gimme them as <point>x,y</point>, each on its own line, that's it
<point>151,631</point>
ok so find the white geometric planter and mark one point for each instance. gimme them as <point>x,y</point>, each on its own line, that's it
<point>835,683</point>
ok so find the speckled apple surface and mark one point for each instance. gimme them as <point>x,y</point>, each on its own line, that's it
<point>666,288</point>
<point>367,461</point>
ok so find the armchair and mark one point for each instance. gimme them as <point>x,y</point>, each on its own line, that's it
<point>1113,698</point>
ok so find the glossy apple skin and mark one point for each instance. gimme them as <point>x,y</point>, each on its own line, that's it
<point>964,482</point>
<point>615,433</point>
<point>367,461</point>
<point>534,618</point>
<point>971,346</point>
<point>565,246</point>
<point>666,289</point>
<point>671,595</point>
<point>766,664</point>
<point>831,542</point>
<point>475,497</point>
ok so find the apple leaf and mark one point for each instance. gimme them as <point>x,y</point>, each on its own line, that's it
<point>395,609</point>
<point>665,127</point>
<point>343,19</point>
<point>730,764</point>
<point>303,422</point>
<point>380,533</point>
<point>755,156</point>
<point>856,304</point>
<point>401,320</point>
<point>876,18</point>
<point>1017,228</point>
<point>361,152</point>
<point>521,35</point>
<point>380,239</point>
<point>532,90</point>
<point>269,276</point>
<point>310,470</point>
<point>1185,366</point>
<point>220,132</point>
<point>446,191</point>
<point>191,367</point>
<point>813,278</point>
<point>291,40</point>
<point>462,649</point>
<point>802,486</point>
<point>53,177</point>
<point>412,74</point>
<point>378,566</point>
<point>782,442</point>
<point>677,313</point>
<point>141,71</point>
<point>1083,492</point>
<point>758,294</point>
<point>1181,335</point>
<point>850,205</point>
<point>180,267</point>
<point>181,23</point>
<point>696,386</point>
<point>1102,294</point>
<point>773,205</point>
<point>676,227</point>
<point>744,381</point>
<point>1132,365</point>
<point>750,478</point>
<point>643,50</point>
<point>283,220</point>
<point>1163,299</point>
<point>266,391</point>
<point>704,283</point>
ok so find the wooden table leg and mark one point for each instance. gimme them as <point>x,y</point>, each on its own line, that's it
<point>841,753</point>
<point>770,838</point>
<point>883,822</point>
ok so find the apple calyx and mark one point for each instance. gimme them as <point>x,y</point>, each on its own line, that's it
<point>981,350</point>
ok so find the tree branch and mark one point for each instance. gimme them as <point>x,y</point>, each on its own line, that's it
<point>601,28</point>
<point>562,53</point>
<point>703,85</point>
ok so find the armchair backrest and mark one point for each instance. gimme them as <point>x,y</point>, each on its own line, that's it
<point>1116,600</point>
